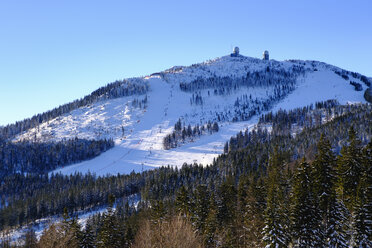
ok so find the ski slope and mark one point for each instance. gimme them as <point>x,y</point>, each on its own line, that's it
<point>140,147</point>
<point>143,148</point>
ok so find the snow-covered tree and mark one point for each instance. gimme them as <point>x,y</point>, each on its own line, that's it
<point>362,210</point>
<point>276,233</point>
<point>88,237</point>
<point>305,216</point>
<point>337,232</point>
<point>350,169</point>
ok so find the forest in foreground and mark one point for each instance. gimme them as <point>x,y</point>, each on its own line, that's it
<point>269,189</point>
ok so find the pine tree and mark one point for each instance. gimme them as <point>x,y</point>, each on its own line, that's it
<point>183,201</point>
<point>324,176</point>
<point>276,222</point>
<point>74,231</point>
<point>305,217</point>
<point>337,232</point>
<point>158,212</point>
<point>366,186</point>
<point>211,224</point>
<point>361,226</point>
<point>30,239</point>
<point>226,147</point>
<point>241,208</point>
<point>227,211</point>
<point>110,234</point>
<point>129,236</point>
<point>324,181</point>
<point>252,213</point>
<point>70,230</point>
<point>88,239</point>
<point>65,216</point>
<point>362,214</point>
<point>200,207</point>
<point>350,169</point>
<point>226,202</point>
<point>333,213</point>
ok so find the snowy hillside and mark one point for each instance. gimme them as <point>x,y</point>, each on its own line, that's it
<point>230,91</point>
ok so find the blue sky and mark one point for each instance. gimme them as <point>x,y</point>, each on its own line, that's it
<point>52,52</point>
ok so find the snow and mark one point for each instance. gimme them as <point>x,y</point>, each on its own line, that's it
<point>141,147</point>
<point>221,67</point>
<point>16,235</point>
<point>321,86</point>
<point>103,119</point>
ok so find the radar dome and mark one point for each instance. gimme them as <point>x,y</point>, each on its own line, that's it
<point>235,52</point>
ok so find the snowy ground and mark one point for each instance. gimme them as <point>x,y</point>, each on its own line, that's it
<point>141,145</point>
<point>16,236</point>
<point>322,86</point>
<point>143,149</point>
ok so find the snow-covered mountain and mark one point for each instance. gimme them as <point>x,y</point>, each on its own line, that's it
<point>230,91</point>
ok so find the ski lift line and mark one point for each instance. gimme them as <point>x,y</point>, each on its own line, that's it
<point>141,140</point>
<point>114,162</point>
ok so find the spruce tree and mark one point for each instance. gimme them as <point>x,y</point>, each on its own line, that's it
<point>241,208</point>
<point>30,239</point>
<point>252,212</point>
<point>350,169</point>
<point>362,209</point>
<point>110,234</point>
<point>70,230</point>
<point>361,225</point>
<point>337,232</point>
<point>276,222</point>
<point>158,212</point>
<point>366,187</point>
<point>183,201</point>
<point>226,202</point>
<point>129,236</point>
<point>74,231</point>
<point>226,211</point>
<point>88,239</point>
<point>305,217</point>
<point>200,207</point>
<point>334,215</point>
<point>211,224</point>
<point>324,176</point>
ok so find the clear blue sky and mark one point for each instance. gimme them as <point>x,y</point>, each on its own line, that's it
<point>52,52</point>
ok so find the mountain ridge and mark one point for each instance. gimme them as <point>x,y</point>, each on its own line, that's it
<point>232,91</point>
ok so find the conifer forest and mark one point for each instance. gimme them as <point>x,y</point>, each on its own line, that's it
<point>185,124</point>
<point>306,183</point>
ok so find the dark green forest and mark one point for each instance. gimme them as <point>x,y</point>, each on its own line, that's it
<point>34,157</point>
<point>307,183</point>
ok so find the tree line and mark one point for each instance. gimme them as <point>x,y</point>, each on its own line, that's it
<point>38,158</point>
<point>113,90</point>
